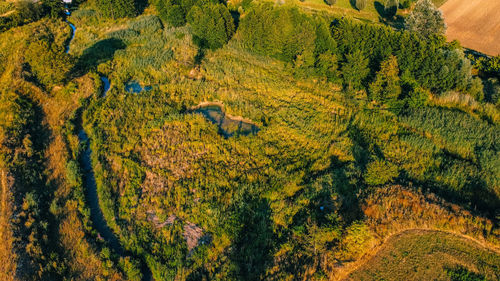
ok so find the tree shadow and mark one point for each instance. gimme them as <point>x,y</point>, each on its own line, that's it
<point>353,4</point>
<point>98,53</point>
<point>253,243</point>
<point>140,6</point>
<point>380,9</point>
<point>236,18</point>
<point>199,56</point>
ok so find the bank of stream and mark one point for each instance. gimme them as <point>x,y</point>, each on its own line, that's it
<point>96,215</point>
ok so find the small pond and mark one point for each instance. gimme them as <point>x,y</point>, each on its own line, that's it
<point>134,87</point>
<point>229,126</point>
<point>105,85</point>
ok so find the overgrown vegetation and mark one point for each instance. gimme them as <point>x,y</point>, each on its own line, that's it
<point>359,138</point>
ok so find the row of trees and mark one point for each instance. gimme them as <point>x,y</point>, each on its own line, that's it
<point>355,52</point>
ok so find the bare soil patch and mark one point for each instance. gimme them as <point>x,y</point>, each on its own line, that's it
<point>476,24</point>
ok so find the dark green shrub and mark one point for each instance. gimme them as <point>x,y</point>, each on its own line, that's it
<point>48,62</point>
<point>212,24</point>
<point>355,70</point>
<point>380,172</point>
<point>116,8</point>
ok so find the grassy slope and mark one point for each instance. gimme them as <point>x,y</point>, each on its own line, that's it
<point>345,8</point>
<point>425,255</point>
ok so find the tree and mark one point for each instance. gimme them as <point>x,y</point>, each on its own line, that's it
<point>360,4</point>
<point>425,20</point>
<point>47,61</point>
<point>391,8</point>
<point>212,24</point>
<point>355,70</point>
<point>327,65</point>
<point>53,8</point>
<point>27,11</point>
<point>380,172</point>
<point>386,86</point>
<point>116,8</point>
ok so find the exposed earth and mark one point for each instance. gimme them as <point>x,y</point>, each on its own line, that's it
<point>476,24</point>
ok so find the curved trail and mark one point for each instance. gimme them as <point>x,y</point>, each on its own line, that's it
<point>96,215</point>
<point>351,268</point>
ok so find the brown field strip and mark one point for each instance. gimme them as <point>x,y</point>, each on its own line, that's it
<point>476,24</point>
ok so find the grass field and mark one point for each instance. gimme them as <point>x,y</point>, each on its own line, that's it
<point>427,255</point>
<point>373,11</point>
<point>476,24</point>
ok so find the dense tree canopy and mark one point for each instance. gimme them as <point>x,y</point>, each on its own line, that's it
<point>117,8</point>
<point>355,70</point>
<point>212,24</point>
<point>386,86</point>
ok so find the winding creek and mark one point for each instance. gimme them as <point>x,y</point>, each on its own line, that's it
<point>213,111</point>
<point>96,215</point>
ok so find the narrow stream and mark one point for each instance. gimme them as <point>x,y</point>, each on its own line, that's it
<point>98,220</point>
<point>96,215</point>
<point>73,29</point>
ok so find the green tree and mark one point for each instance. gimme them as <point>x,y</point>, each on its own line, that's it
<point>53,8</point>
<point>27,11</point>
<point>425,20</point>
<point>48,62</point>
<point>116,8</point>
<point>212,24</point>
<point>355,70</point>
<point>386,87</point>
<point>327,65</point>
<point>360,4</point>
<point>380,172</point>
<point>391,8</point>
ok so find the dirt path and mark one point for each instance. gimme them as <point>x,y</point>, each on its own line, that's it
<point>476,24</point>
<point>350,268</point>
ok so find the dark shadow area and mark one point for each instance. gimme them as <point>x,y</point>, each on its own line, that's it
<point>380,8</point>
<point>353,4</point>
<point>140,5</point>
<point>253,243</point>
<point>491,90</point>
<point>199,56</point>
<point>236,18</point>
<point>100,52</point>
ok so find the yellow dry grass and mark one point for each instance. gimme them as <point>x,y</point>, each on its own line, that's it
<point>476,24</point>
